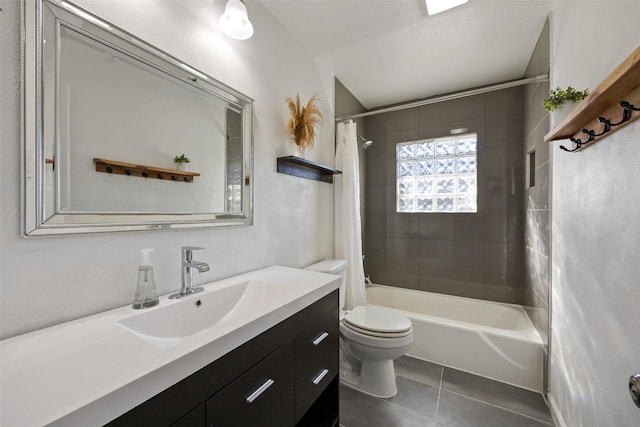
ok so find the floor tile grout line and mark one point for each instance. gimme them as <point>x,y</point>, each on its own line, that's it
<point>386,400</point>
<point>499,407</point>
<point>404,408</point>
<point>418,380</point>
<point>439,392</point>
<point>462,393</point>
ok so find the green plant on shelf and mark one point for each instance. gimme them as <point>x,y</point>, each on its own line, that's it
<point>559,96</point>
<point>181,159</point>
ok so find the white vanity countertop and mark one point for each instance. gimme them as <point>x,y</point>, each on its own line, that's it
<point>91,370</point>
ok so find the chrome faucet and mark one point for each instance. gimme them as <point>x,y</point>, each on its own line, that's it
<point>188,264</point>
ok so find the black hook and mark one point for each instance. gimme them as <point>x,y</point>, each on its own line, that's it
<point>626,115</point>
<point>127,171</point>
<point>577,147</point>
<point>606,128</point>
<point>581,142</point>
<point>109,170</point>
<point>592,135</point>
<point>628,106</point>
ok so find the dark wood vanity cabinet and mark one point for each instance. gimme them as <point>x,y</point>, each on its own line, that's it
<point>285,376</point>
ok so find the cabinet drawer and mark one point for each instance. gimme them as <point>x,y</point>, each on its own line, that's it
<point>317,345</point>
<point>263,396</point>
<point>308,390</point>
<point>317,360</point>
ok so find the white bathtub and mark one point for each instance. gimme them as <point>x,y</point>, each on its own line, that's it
<point>490,339</point>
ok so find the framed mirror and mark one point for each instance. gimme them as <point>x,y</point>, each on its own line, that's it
<point>106,116</point>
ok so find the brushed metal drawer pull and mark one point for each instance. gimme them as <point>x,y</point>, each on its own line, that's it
<point>320,376</point>
<point>253,396</point>
<point>320,338</point>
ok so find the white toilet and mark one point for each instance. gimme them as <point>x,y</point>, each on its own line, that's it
<point>370,338</point>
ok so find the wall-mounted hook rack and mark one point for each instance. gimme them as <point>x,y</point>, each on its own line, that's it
<point>607,126</point>
<point>612,105</point>
<point>144,171</point>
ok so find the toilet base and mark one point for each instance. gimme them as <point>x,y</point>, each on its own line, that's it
<point>376,378</point>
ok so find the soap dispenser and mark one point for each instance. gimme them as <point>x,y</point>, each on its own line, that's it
<point>146,294</point>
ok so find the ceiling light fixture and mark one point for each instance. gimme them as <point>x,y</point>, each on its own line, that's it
<point>234,22</point>
<point>437,6</point>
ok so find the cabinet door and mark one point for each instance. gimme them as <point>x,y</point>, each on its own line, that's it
<point>263,396</point>
<point>316,360</point>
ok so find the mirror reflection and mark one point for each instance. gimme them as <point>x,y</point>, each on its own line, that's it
<point>131,137</point>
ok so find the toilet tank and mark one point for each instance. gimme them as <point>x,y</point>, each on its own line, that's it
<point>332,266</point>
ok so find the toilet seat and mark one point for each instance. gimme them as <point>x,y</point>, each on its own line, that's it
<point>377,321</point>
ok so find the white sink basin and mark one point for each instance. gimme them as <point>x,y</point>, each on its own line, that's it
<point>166,324</point>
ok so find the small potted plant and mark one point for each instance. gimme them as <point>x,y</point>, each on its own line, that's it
<point>181,162</point>
<point>560,102</point>
<point>302,123</point>
<point>559,96</point>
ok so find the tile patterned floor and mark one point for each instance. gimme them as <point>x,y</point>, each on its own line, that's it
<point>430,395</point>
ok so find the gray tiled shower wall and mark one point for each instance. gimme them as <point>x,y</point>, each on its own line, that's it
<point>478,255</point>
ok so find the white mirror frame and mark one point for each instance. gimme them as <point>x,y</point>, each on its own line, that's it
<point>33,130</point>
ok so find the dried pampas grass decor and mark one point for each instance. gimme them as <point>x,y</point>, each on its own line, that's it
<point>302,124</point>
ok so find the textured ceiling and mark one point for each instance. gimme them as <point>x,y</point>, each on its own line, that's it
<point>390,51</point>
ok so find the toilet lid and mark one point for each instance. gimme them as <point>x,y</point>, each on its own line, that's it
<point>377,319</point>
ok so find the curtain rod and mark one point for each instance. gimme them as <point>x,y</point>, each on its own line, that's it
<point>442,98</point>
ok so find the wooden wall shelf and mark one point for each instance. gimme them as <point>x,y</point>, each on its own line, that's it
<point>143,171</point>
<point>587,122</point>
<point>303,168</point>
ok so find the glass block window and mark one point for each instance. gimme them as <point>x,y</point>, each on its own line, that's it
<point>234,188</point>
<point>437,175</point>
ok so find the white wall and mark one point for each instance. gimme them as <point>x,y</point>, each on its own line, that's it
<point>595,230</point>
<point>44,281</point>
